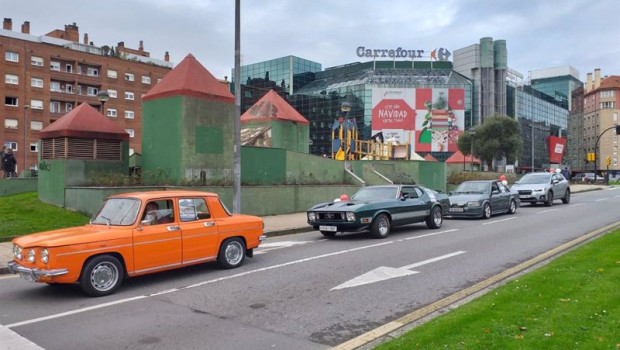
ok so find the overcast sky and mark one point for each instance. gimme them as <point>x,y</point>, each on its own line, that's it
<point>539,33</point>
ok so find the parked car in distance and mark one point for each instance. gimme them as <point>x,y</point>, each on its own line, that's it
<point>591,178</point>
<point>481,199</point>
<point>378,209</point>
<point>136,234</point>
<point>542,187</point>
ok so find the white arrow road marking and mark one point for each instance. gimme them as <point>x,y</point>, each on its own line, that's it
<point>383,273</point>
<point>574,205</point>
<point>546,211</point>
<point>496,221</point>
<point>267,246</point>
<point>601,199</point>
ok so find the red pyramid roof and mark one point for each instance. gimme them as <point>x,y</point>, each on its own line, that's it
<point>272,106</point>
<point>84,122</point>
<point>430,158</point>
<point>458,158</point>
<point>190,78</point>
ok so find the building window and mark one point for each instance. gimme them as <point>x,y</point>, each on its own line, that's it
<point>131,151</point>
<point>91,91</point>
<point>10,101</point>
<point>10,123</point>
<point>130,132</point>
<point>54,107</point>
<point>129,114</point>
<point>68,107</point>
<point>607,93</point>
<point>128,95</point>
<point>36,104</point>
<point>112,74</point>
<point>68,68</point>
<point>36,82</point>
<point>36,125</point>
<point>34,147</point>
<point>608,104</point>
<point>11,56</point>
<point>111,112</point>
<point>128,77</point>
<point>55,86</point>
<point>36,61</point>
<point>11,79</point>
<point>54,65</point>
<point>11,144</point>
<point>146,80</point>
<point>69,88</point>
<point>112,93</point>
<point>93,72</point>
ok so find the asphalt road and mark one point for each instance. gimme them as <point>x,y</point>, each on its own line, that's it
<point>299,291</point>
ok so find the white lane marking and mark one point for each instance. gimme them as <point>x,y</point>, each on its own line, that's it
<point>546,211</point>
<point>174,290</point>
<point>502,220</point>
<point>429,234</point>
<point>383,273</point>
<point>8,276</point>
<point>574,205</point>
<point>601,199</point>
<point>268,246</point>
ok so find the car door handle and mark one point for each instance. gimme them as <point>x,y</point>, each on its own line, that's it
<point>173,228</point>
<point>209,224</point>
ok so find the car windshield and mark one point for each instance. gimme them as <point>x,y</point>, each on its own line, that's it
<point>535,179</point>
<point>117,212</point>
<point>376,193</point>
<point>473,187</point>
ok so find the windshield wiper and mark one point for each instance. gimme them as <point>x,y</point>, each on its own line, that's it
<point>107,220</point>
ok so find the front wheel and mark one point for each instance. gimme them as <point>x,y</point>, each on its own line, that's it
<point>512,207</point>
<point>328,234</point>
<point>486,211</point>
<point>232,253</point>
<point>435,219</point>
<point>566,198</point>
<point>380,227</point>
<point>550,198</point>
<point>101,275</point>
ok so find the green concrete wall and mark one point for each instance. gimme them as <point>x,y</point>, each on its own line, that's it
<point>18,185</point>
<point>429,174</point>
<point>186,139</point>
<point>286,135</point>
<point>305,168</point>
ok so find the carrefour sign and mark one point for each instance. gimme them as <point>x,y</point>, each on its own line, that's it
<point>440,54</point>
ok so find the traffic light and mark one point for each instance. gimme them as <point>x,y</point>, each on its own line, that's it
<point>608,160</point>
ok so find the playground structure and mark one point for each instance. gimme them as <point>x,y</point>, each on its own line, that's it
<point>347,146</point>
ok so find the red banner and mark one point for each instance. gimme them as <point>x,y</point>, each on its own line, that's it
<point>393,114</point>
<point>557,148</point>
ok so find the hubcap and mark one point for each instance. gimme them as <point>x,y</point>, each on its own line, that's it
<point>104,276</point>
<point>487,211</point>
<point>383,226</point>
<point>234,253</point>
<point>437,218</point>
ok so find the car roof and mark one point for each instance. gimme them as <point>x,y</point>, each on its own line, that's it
<point>146,195</point>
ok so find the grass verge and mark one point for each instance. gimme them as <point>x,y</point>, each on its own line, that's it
<point>23,213</point>
<point>571,303</point>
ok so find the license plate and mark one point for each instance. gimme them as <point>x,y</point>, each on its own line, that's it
<point>524,197</point>
<point>456,210</point>
<point>328,228</point>
<point>26,276</point>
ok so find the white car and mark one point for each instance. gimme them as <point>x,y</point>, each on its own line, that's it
<point>542,187</point>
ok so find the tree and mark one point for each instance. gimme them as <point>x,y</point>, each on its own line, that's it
<point>497,138</point>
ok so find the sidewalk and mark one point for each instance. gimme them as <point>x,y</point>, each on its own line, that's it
<point>275,225</point>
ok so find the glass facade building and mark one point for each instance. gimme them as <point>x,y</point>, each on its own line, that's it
<point>557,82</point>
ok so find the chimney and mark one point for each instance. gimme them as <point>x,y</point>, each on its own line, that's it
<point>588,82</point>
<point>597,78</point>
<point>26,27</point>
<point>167,57</point>
<point>85,38</point>
<point>7,24</point>
<point>72,33</point>
<point>141,47</point>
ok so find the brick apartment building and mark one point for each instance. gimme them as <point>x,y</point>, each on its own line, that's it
<point>47,76</point>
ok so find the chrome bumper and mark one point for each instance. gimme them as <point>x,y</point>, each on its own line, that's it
<point>34,274</point>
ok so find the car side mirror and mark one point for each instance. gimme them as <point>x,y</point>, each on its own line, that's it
<point>495,192</point>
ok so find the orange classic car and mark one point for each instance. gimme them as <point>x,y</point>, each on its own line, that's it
<point>135,234</point>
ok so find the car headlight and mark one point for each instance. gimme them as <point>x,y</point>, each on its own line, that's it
<point>31,256</point>
<point>473,204</point>
<point>17,252</point>
<point>311,216</point>
<point>538,190</point>
<point>350,216</point>
<point>45,255</point>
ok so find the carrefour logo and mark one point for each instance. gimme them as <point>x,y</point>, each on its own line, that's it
<point>440,54</point>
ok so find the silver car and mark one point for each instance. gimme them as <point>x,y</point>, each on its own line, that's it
<point>542,188</point>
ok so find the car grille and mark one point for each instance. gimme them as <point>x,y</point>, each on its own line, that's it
<point>331,216</point>
<point>525,191</point>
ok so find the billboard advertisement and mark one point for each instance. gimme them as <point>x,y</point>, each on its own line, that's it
<point>429,119</point>
<point>557,146</point>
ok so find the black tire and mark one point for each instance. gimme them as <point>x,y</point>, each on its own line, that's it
<point>231,253</point>
<point>101,275</point>
<point>435,219</point>
<point>328,234</point>
<point>550,198</point>
<point>380,227</point>
<point>512,207</point>
<point>566,198</point>
<point>486,211</point>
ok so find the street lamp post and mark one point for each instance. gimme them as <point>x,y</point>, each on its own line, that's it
<point>596,147</point>
<point>25,138</point>
<point>345,107</point>
<point>103,97</point>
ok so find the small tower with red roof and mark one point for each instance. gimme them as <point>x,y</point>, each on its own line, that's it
<point>187,128</point>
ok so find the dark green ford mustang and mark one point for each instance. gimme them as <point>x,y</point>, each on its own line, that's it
<point>378,209</point>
